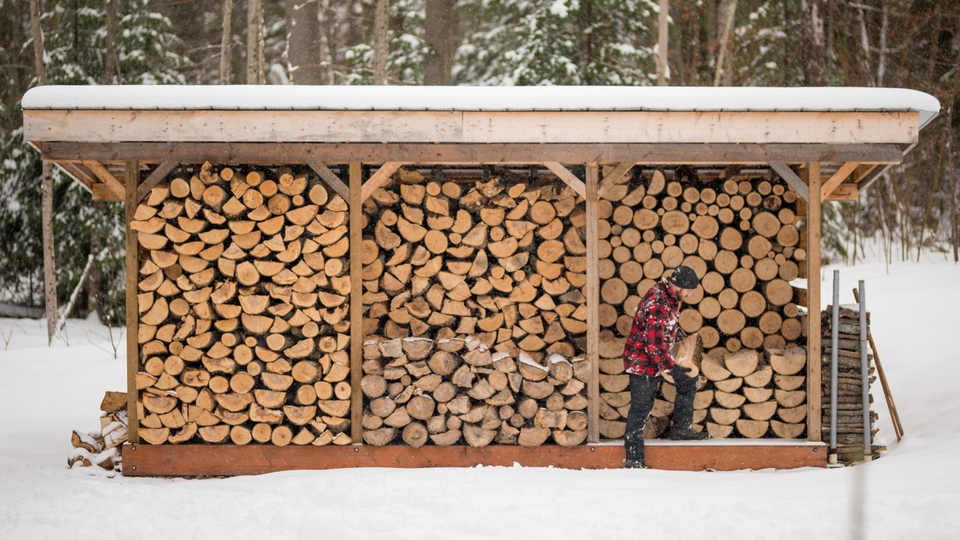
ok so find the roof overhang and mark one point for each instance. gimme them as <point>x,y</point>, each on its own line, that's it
<point>870,127</point>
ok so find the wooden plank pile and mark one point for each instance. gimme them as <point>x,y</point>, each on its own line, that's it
<point>102,448</point>
<point>849,386</point>
<point>474,312</point>
<point>740,236</point>
<point>244,300</point>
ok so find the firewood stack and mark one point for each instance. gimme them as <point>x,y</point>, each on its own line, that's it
<point>102,448</point>
<point>740,235</point>
<point>474,312</point>
<point>849,386</point>
<point>244,311</point>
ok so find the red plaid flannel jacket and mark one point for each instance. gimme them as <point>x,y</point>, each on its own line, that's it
<point>654,331</point>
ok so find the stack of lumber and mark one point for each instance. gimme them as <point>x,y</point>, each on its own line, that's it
<point>244,313</point>
<point>849,386</point>
<point>474,312</point>
<point>102,448</point>
<point>739,234</point>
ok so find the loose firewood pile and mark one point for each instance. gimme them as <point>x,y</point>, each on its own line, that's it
<point>102,448</point>
<point>244,313</point>
<point>849,386</point>
<point>740,236</point>
<point>474,312</point>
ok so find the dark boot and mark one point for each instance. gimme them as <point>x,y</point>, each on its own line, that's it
<point>687,434</point>
<point>634,464</point>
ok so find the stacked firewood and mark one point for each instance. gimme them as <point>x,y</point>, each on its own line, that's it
<point>474,313</point>
<point>102,448</point>
<point>740,235</point>
<point>849,386</point>
<point>244,311</point>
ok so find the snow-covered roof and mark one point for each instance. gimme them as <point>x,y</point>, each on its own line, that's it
<point>473,98</point>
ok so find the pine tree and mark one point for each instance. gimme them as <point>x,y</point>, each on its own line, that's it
<point>554,42</point>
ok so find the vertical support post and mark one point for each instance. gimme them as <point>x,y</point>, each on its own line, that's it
<point>834,368</point>
<point>865,376</point>
<point>132,265</point>
<point>814,361</point>
<point>356,304</point>
<point>593,303</point>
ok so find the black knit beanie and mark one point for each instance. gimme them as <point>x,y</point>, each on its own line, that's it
<point>685,278</point>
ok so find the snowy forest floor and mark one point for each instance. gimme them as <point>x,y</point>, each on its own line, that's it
<point>913,491</point>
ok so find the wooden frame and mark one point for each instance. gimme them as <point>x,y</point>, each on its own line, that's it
<point>86,142</point>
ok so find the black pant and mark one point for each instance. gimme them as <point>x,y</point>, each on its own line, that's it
<point>643,389</point>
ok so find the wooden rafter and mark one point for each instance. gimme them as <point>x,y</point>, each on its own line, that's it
<point>155,178</point>
<point>113,185</point>
<point>78,173</point>
<point>379,179</point>
<point>564,174</point>
<point>791,178</point>
<point>837,178</point>
<point>330,179</point>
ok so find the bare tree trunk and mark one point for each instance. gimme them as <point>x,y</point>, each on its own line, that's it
<point>439,31</point>
<point>728,9</point>
<point>663,44</point>
<point>814,43</point>
<point>255,42</point>
<point>46,189</point>
<point>884,28</point>
<point>933,193</point>
<point>226,39</point>
<point>866,64</point>
<point>303,41</point>
<point>112,66</point>
<point>380,27</point>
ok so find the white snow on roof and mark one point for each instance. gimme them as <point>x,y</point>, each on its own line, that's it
<point>476,98</point>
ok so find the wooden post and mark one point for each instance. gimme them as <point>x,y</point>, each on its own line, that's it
<point>814,407</point>
<point>593,304</point>
<point>356,303</point>
<point>133,349</point>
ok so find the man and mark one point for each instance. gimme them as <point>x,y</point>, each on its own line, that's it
<point>646,358</point>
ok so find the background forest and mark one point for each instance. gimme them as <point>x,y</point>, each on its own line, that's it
<point>893,43</point>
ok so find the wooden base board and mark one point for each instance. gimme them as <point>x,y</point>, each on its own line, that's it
<point>229,460</point>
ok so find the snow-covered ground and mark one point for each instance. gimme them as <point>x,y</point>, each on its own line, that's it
<point>912,492</point>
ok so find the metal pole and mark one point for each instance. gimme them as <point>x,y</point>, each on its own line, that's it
<point>834,346</point>
<point>865,375</point>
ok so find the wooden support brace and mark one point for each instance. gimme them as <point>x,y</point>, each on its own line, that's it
<point>845,192</point>
<point>379,179</point>
<point>356,302</point>
<point>616,174</point>
<point>132,264</point>
<point>564,174</point>
<point>330,179</point>
<point>155,178</point>
<point>791,178</point>
<point>813,306</point>
<point>838,177</point>
<point>593,303</point>
<point>79,174</point>
<point>105,176</point>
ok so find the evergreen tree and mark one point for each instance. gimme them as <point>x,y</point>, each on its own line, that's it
<point>559,42</point>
